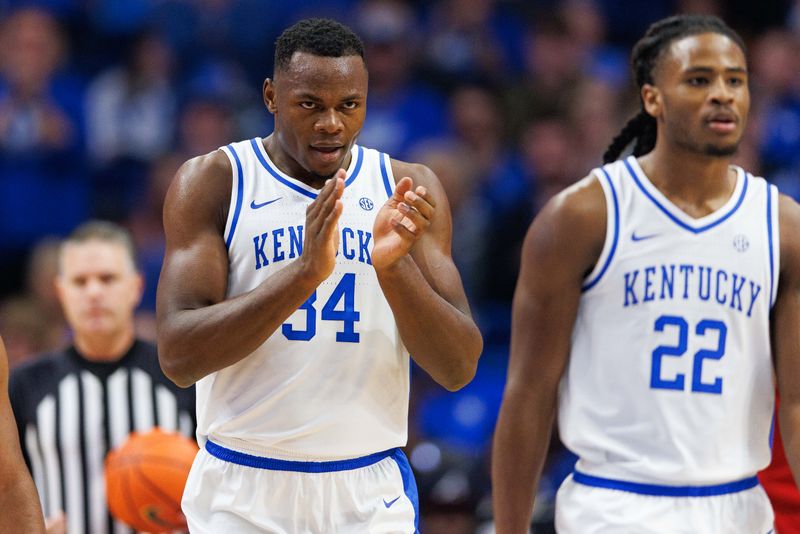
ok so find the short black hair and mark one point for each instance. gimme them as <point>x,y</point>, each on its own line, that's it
<point>644,58</point>
<point>321,37</point>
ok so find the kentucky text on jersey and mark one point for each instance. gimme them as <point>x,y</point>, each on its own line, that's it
<point>687,281</point>
<point>287,243</point>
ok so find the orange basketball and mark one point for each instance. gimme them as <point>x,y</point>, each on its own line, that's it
<point>145,478</point>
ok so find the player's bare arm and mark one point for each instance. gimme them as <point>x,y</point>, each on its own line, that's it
<point>199,331</point>
<point>19,502</point>
<point>413,262</point>
<point>560,249</point>
<point>785,331</point>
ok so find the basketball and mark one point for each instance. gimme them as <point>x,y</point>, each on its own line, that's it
<point>145,478</point>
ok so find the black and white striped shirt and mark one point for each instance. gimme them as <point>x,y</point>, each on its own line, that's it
<point>70,412</point>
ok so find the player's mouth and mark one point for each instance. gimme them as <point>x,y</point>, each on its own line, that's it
<point>722,122</point>
<point>97,312</point>
<point>328,153</point>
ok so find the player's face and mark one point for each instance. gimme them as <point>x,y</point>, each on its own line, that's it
<point>319,105</point>
<point>702,98</point>
<point>98,288</point>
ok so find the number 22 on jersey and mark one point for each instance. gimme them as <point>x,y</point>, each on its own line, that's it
<point>705,328</point>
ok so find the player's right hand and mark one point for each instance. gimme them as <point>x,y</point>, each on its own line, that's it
<point>321,239</point>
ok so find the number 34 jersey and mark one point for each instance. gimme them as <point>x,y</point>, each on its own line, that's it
<point>333,381</point>
<point>670,373</point>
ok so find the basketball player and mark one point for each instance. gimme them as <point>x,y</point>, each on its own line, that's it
<point>18,500</point>
<point>655,295</point>
<point>301,269</point>
<point>73,405</point>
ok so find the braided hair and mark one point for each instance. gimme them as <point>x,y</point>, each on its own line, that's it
<point>644,58</point>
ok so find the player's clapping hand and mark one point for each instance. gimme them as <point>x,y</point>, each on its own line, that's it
<point>321,240</point>
<point>402,220</point>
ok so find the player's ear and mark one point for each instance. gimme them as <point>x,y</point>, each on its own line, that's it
<point>651,100</point>
<point>269,95</point>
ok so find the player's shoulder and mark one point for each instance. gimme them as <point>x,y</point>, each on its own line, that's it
<point>200,194</point>
<point>789,224</point>
<point>789,216</point>
<point>205,171</point>
<point>582,203</point>
<point>569,232</point>
<point>421,174</point>
<point>790,207</point>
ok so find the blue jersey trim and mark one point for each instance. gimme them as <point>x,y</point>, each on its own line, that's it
<point>385,175</point>
<point>771,250</point>
<point>357,168</point>
<point>275,174</point>
<point>591,283</point>
<point>665,491</point>
<point>259,462</point>
<point>409,484</point>
<point>239,194</point>
<point>676,220</point>
<point>772,431</point>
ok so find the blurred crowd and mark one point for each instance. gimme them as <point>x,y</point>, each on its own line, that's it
<point>508,101</point>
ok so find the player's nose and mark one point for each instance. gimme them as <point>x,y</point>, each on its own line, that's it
<point>329,122</point>
<point>720,92</point>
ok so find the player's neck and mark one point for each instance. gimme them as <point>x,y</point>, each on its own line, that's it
<point>105,348</point>
<point>698,182</point>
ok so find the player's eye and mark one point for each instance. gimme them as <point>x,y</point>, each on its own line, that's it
<point>736,81</point>
<point>697,81</point>
<point>308,105</point>
<point>351,105</point>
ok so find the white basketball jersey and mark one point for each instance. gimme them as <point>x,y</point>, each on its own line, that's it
<point>670,373</point>
<point>333,381</point>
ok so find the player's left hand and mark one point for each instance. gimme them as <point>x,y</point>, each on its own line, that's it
<point>402,220</point>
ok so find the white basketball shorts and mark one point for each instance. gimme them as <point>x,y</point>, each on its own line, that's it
<point>230,492</point>
<point>594,505</point>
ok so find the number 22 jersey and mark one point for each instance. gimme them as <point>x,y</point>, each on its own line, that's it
<point>333,381</point>
<point>670,373</point>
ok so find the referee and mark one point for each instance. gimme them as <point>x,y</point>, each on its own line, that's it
<point>74,405</point>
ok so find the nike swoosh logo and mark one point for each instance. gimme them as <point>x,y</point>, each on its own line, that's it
<point>635,237</point>
<point>255,206</point>
<point>390,503</point>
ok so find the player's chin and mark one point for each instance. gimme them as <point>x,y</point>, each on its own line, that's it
<point>326,163</point>
<point>325,172</point>
<point>721,150</point>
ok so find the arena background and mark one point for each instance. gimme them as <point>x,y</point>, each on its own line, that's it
<point>507,101</point>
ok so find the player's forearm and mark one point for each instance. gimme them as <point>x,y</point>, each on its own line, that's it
<point>193,343</point>
<point>20,505</point>
<point>442,339</point>
<point>520,446</point>
<point>789,414</point>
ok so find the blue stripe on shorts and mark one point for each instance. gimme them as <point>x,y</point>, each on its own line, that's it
<point>665,491</point>
<point>249,460</point>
